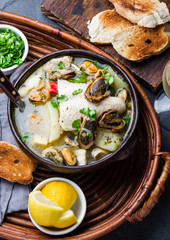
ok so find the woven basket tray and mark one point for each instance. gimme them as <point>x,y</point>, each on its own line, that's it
<point>124,191</point>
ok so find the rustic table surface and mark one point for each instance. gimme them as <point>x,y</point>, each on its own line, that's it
<point>156,225</point>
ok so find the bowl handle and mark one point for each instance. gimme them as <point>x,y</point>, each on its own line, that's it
<point>142,212</point>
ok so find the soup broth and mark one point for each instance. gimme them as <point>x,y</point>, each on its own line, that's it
<point>77,110</point>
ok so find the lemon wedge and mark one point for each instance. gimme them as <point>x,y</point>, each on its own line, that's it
<point>61,193</point>
<point>43,211</point>
<point>67,219</point>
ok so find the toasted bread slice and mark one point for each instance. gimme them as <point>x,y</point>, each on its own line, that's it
<point>15,166</point>
<point>146,13</point>
<point>105,24</point>
<point>138,43</point>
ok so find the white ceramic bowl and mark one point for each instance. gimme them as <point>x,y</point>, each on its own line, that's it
<point>79,208</point>
<point>10,70</point>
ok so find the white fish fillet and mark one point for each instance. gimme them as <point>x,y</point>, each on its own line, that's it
<point>70,109</point>
<point>67,88</point>
<point>50,65</point>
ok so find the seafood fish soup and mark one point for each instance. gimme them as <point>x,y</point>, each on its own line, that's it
<point>77,110</point>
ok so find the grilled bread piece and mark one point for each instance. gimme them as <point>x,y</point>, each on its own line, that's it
<point>105,24</point>
<point>138,43</point>
<point>146,13</point>
<point>15,166</point>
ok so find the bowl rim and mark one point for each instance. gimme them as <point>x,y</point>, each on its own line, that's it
<point>82,200</point>
<point>23,37</point>
<point>88,54</point>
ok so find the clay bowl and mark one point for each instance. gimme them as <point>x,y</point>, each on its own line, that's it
<point>121,153</point>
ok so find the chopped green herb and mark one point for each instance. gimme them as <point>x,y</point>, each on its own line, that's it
<point>54,103</point>
<point>12,48</point>
<point>76,137</point>
<point>25,137</point>
<point>126,118</point>
<point>43,96</point>
<point>76,124</point>
<point>79,79</point>
<point>61,65</point>
<point>112,91</point>
<point>77,91</point>
<point>89,112</point>
<point>62,98</point>
<point>109,79</point>
<point>89,134</point>
<point>103,68</point>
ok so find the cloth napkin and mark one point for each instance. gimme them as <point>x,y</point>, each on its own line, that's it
<point>13,196</point>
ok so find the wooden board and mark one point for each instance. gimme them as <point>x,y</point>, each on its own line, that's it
<point>73,15</point>
<point>115,194</point>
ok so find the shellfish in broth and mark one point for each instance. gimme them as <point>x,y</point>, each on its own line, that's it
<point>77,110</point>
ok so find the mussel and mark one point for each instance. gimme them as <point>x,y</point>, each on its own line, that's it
<point>97,90</point>
<point>89,67</point>
<point>69,140</point>
<point>110,120</point>
<point>54,155</point>
<point>87,133</point>
<point>61,74</point>
<point>39,95</point>
<point>123,94</point>
<point>69,156</point>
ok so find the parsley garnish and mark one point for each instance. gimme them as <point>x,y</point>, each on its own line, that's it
<point>80,78</point>
<point>12,48</point>
<point>109,79</point>
<point>103,68</point>
<point>76,124</point>
<point>62,98</point>
<point>89,134</point>
<point>25,137</point>
<point>90,113</point>
<point>43,96</point>
<point>54,103</point>
<point>61,65</point>
<point>126,118</point>
<point>77,91</point>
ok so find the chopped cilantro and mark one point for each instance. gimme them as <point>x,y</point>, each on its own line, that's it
<point>112,91</point>
<point>89,112</point>
<point>54,103</point>
<point>103,68</point>
<point>12,48</point>
<point>89,134</point>
<point>109,78</point>
<point>76,124</point>
<point>61,65</point>
<point>62,98</point>
<point>43,96</point>
<point>80,78</point>
<point>126,118</point>
<point>26,135</point>
<point>77,91</point>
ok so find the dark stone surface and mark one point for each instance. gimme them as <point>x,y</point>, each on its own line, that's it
<point>156,226</point>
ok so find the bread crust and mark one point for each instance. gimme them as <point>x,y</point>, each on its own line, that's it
<point>15,166</point>
<point>146,13</point>
<point>138,43</point>
<point>105,24</point>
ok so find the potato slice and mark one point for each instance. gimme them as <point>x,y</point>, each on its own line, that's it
<point>40,141</point>
<point>108,140</point>
<point>54,123</point>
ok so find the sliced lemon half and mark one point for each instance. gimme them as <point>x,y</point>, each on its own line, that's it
<point>44,211</point>
<point>60,192</point>
<point>67,219</point>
